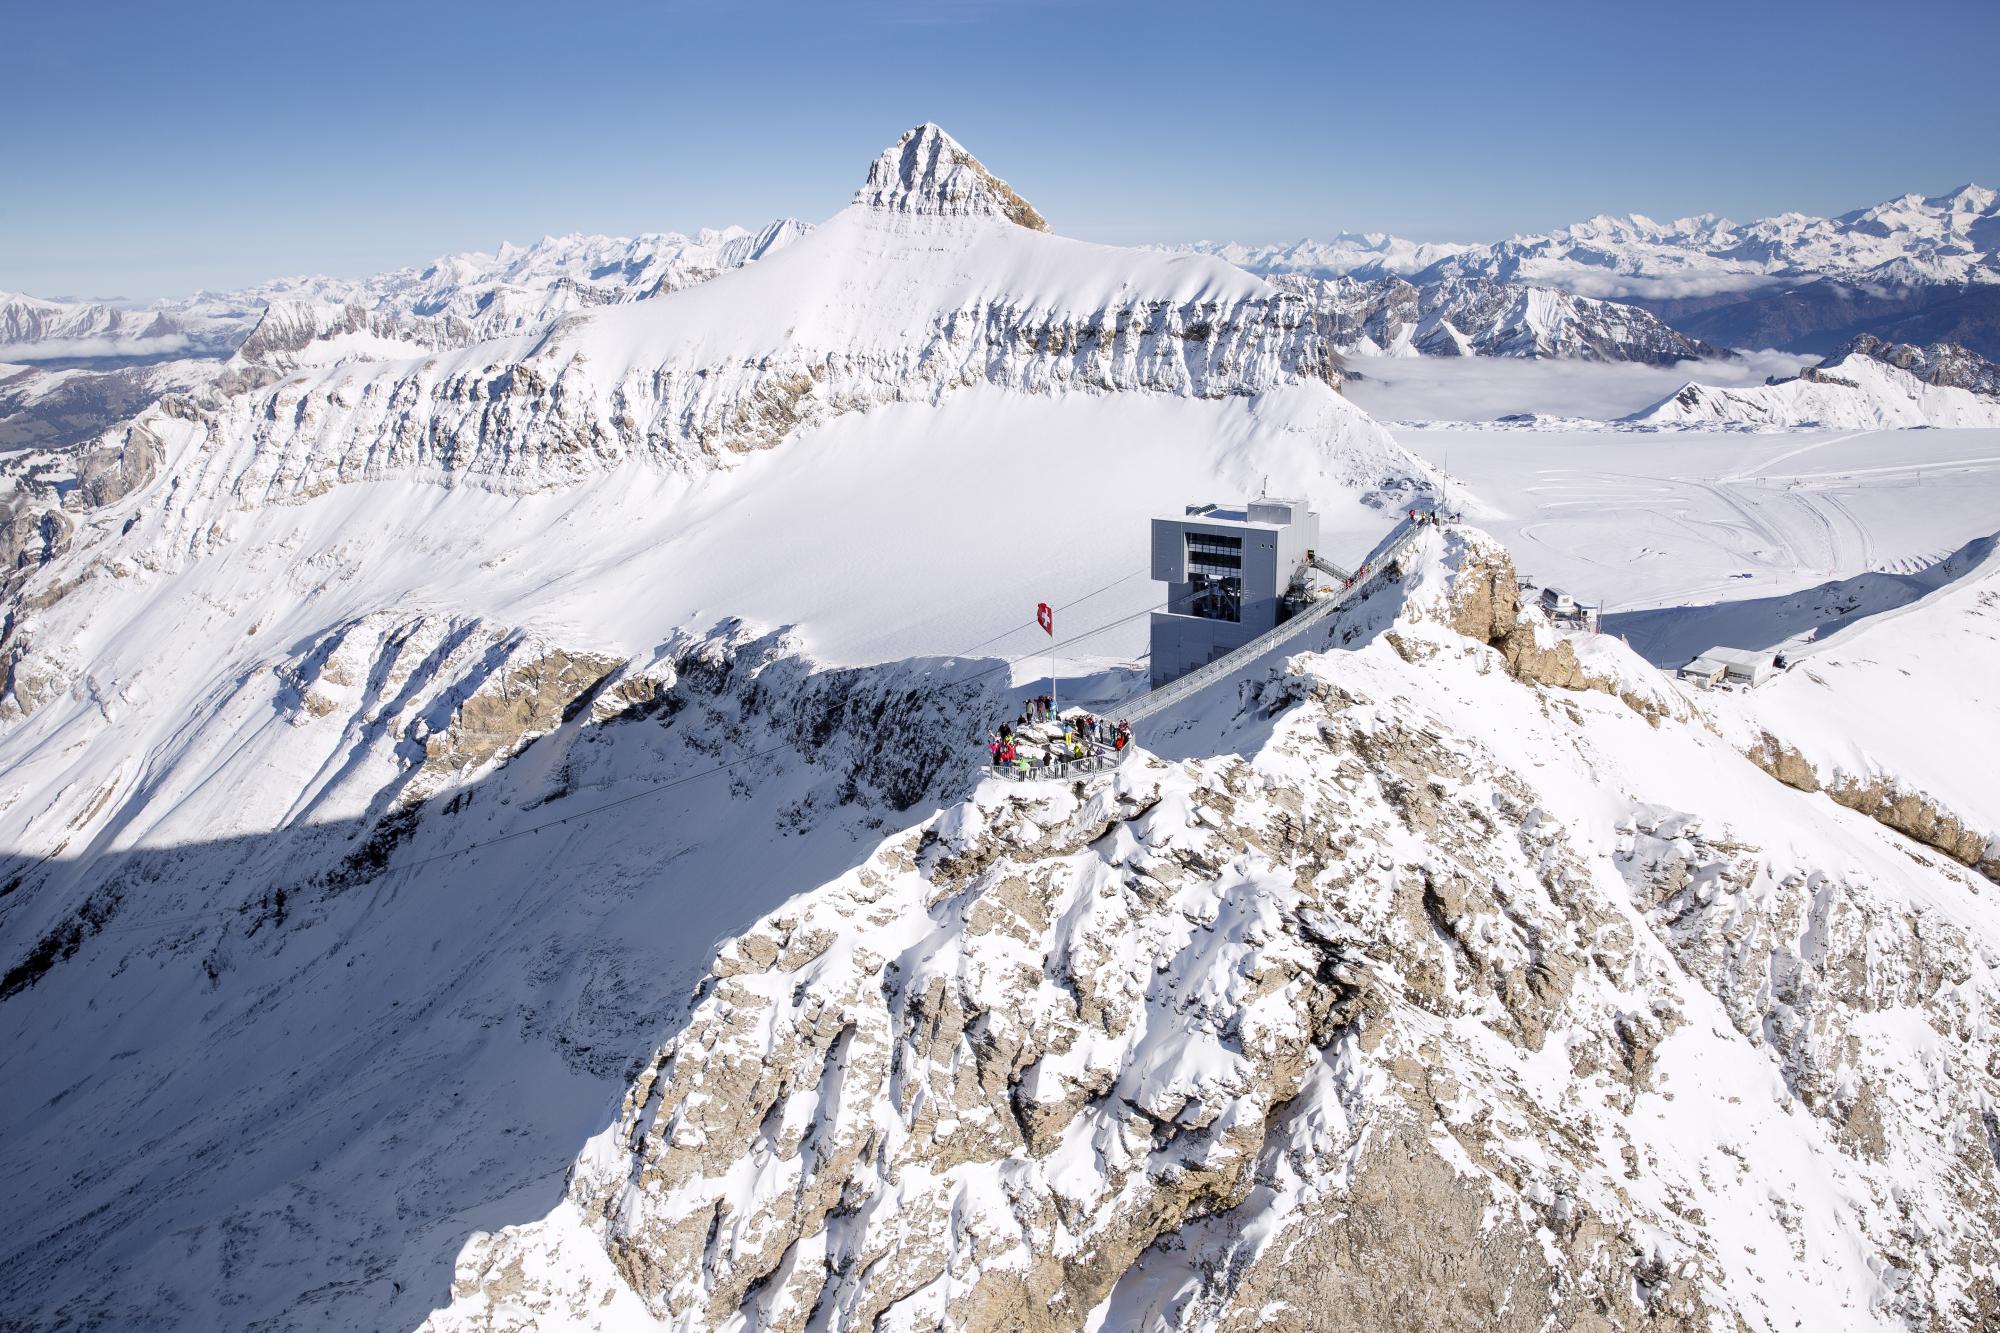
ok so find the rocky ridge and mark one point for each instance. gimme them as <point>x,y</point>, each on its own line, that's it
<point>929,173</point>
<point>1854,391</point>
<point>1911,240</point>
<point>1947,365</point>
<point>1445,982</point>
<point>1481,317</point>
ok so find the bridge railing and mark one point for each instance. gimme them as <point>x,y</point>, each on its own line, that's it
<point>1075,766</point>
<point>1194,682</point>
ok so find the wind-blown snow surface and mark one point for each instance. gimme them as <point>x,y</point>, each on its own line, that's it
<point>1683,520</point>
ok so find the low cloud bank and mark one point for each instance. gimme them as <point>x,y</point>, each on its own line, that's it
<point>1482,388</point>
<point>91,349</point>
<point>1608,286</point>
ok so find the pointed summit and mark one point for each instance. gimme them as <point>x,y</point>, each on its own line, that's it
<point>927,172</point>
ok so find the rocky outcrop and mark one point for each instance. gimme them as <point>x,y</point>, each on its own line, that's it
<point>551,419</point>
<point>452,697</point>
<point>929,172</point>
<point>1484,604</point>
<point>1887,800</point>
<point>1811,964</point>
<point>1946,364</point>
<point>1149,976</point>
<point>1347,1035</point>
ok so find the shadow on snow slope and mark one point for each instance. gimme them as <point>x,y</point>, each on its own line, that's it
<point>292,1109</point>
<point>1669,637</point>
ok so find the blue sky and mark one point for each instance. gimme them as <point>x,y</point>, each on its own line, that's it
<point>149,149</point>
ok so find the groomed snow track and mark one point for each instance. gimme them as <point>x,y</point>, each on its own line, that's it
<point>1379,562</point>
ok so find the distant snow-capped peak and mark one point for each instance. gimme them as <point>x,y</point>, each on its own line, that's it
<point>1952,238</point>
<point>927,172</point>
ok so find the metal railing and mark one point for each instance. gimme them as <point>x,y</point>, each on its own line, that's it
<point>1074,766</point>
<point>1331,570</point>
<point>1379,562</point>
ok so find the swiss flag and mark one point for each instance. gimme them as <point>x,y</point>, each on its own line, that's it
<point>1045,618</point>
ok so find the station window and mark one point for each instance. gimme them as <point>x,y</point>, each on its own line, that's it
<point>1215,576</point>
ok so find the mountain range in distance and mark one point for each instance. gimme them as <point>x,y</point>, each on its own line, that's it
<point>1915,269</point>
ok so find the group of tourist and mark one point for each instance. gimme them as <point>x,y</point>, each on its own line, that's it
<point>1084,742</point>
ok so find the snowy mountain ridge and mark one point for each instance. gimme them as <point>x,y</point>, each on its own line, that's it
<point>1949,238</point>
<point>1350,254</point>
<point>456,301</point>
<point>1946,364</point>
<point>887,301</point>
<point>264,642</point>
<point>495,833</point>
<point>516,289</point>
<point>1256,1038</point>
<point>1853,391</point>
<point>1480,317</point>
<point>927,173</point>
<point>35,329</point>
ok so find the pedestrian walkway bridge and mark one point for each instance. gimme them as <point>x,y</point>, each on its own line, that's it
<point>1347,587</point>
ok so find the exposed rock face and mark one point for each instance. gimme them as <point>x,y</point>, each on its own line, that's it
<point>1190,988</point>
<point>550,419</point>
<point>292,334</point>
<point>27,319</point>
<point>872,309</point>
<point>929,172</point>
<point>1943,363</point>
<point>1369,1029</point>
<point>1887,800</point>
<point>454,696</point>
<point>1484,604</point>
<point>1818,967</point>
<point>1482,317</point>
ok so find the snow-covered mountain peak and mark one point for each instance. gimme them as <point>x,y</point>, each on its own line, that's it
<point>1967,198</point>
<point>927,172</point>
<point>1871,386</point>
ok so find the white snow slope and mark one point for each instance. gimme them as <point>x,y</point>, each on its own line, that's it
<point>388,751</point>
<point>246,1079</point>
<point>1160,1050</point>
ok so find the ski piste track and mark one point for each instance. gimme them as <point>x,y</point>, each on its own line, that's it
<point>1380,562</point>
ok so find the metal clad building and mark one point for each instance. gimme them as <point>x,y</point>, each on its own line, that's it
<point>1227,572</point>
